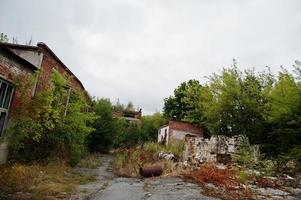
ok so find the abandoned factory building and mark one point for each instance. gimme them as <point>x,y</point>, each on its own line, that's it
<point>129,115</point>
<point>17,60</point>
<point>177,131</point>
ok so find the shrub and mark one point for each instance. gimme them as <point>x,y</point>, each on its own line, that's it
<point>247,155</point>
<point>48,126</point>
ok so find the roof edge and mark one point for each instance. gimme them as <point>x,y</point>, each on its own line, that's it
<point>22,46</point>
<point>19,59</point>
<point>42,44</point>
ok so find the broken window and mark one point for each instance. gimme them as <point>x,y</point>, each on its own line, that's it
<point>6,91</point>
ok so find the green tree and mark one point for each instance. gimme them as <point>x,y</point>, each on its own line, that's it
<point>3,38</point>
<point>184,104</point>
<point>102,138</point>
<point>150,125</point>
<point>129,134</point>
<point>233,103</point>
<point>284,116</point>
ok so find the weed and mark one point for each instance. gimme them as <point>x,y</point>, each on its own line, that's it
<point>211,174</point>
<point>51,181</point>
<point>242,176</point>
<point>91,161</point>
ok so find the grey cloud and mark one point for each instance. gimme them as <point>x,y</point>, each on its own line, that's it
<point>140,50</point>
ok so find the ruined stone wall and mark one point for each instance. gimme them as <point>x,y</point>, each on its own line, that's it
<point>218,148</point>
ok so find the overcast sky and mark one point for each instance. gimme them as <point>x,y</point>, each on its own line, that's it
<point>140,50</point>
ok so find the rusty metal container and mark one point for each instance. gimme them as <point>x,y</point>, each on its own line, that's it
<point>151,170</point>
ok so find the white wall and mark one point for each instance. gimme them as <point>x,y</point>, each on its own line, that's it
<point>180,135</point>
<point>162,132</point>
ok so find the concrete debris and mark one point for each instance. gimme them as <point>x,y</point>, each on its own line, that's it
<point>167,156</point>
<point>218,148</point>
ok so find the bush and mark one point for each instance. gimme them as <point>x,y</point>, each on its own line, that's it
<point>47,126</point>
<point>247,155</point>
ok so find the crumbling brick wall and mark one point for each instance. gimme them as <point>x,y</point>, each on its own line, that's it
<point>10,68</point>
<point>50,62</point>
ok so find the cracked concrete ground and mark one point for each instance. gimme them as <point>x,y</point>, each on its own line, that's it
<point>110,187</point>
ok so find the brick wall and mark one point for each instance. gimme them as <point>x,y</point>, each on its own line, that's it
<point>9,68</point>
<point>50,62</point>
<point>187,127</point>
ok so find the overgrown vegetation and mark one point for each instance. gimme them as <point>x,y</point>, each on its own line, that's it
<point>56,180</point>
<point>262,106</point>
<point>112,132</point>
<point>129,161</point>
<point>47,125</point>
<point>90,161</point>
<point>209,173</point>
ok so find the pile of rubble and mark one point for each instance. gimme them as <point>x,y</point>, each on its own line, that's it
<point>218,148</point>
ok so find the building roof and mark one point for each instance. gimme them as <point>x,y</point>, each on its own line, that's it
<point>36,48</point>
<point>184,126</point>
<point>57,59</point>
<point>4,47</point>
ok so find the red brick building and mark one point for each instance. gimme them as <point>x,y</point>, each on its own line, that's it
<point>177,131</point>
<point>17,60</point>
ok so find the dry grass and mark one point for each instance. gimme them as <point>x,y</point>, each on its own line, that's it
<point>91,161</point>
<point>229,182</point>
<point>55,180</point>
<point>129,161</point>
<point>219,177</point>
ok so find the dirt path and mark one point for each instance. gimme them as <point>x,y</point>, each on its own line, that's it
<point>110,187</point>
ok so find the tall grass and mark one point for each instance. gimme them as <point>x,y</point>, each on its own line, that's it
<point>55,180</point>
<point>176,148</point>
<point>128,162</point>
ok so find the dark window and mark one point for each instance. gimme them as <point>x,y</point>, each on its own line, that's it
<point>2,121</point>
<point>6,91</point>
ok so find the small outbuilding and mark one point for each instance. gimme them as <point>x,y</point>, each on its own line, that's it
<point>177,131</point>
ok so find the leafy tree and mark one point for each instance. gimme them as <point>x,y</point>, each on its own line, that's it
<point>284,116</point>
<point>102,138</point>
<point>150,125</point>
<point>261,106</point>
<point>3,38</point>
<point>233,103</point>
<point>184,104</point>
<point>129,134</point>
